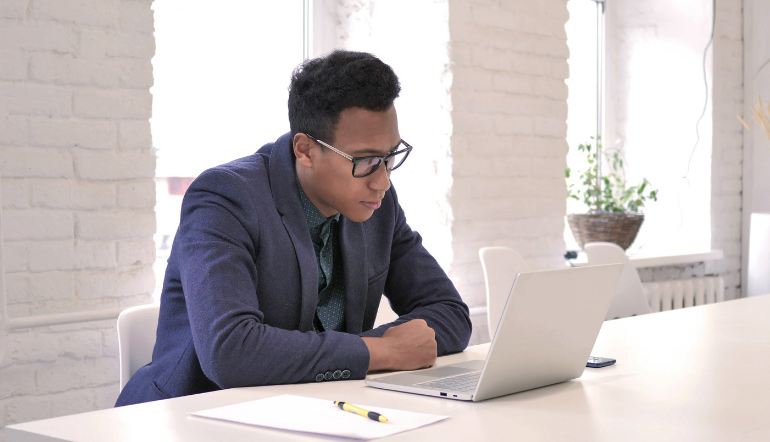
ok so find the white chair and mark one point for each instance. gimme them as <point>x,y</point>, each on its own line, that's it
<point>384,313</point>
<point>136,338</point>
<point>629,299</point>
<point>501,265</point>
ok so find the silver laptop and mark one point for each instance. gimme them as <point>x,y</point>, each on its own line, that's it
<point>545,336</point>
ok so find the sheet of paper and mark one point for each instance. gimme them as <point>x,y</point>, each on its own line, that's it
<point>310,415</point>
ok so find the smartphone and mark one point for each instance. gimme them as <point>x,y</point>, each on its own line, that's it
<point>598,362</point>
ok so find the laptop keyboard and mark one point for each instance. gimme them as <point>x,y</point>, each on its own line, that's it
<point>460,382</point>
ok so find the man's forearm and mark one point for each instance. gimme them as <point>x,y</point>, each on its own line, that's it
<point>407,346</point>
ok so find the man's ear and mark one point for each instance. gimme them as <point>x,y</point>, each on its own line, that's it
<point>303,146</point>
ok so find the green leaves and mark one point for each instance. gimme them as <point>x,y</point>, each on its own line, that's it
<point>608,192</point>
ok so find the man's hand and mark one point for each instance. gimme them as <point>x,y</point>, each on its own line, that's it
<point>408,346</point>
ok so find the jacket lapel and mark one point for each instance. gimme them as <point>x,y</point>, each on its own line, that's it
<point>353,246</point>
<point>283,186</point>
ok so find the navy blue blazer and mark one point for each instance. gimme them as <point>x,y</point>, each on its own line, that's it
<point>241,287</point>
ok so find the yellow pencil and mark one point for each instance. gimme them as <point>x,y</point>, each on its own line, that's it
<point>360,411</point>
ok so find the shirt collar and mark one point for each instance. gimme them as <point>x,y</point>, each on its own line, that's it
<point>313,216</point>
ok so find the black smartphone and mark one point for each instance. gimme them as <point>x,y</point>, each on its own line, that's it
<point>598,362</point>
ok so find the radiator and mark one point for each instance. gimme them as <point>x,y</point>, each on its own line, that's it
<point>680,293</point>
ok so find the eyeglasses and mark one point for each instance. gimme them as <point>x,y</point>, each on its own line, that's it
<point>365,166</point>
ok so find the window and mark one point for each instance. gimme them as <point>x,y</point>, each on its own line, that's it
<point>222,73</point>
<point>582,102</point>
<point>659,112</point>
<point>657,109</point>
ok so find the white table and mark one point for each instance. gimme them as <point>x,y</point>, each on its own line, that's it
<point>696,374</point>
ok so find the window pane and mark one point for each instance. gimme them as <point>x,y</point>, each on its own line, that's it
<point>581,40</point>
<point>582,83</point>
<point>222,71</point>
<point>221,76</point>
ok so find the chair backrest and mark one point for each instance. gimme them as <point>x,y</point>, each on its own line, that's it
<point>385,314</point>
<point>629,299</point>
<point>136,338</point>
<point>501,265</point>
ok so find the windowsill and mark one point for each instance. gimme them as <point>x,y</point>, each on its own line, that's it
<point>659,260</point>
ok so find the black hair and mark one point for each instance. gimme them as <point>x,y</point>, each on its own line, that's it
<point>323,87</point>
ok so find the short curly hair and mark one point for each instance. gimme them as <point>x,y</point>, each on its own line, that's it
<point>323,87</point>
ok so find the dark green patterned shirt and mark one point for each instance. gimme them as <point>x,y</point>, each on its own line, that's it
<point>330,311</point>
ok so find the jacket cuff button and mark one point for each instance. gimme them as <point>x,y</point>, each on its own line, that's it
<point>319,377</point>
<point>328,375</point>
<point>345,374</point>
<point>337,374</point>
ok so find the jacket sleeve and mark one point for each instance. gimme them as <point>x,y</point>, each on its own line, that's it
<point>417,287</point>
<point>217,246</point>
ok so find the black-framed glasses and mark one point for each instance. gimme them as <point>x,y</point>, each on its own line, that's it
<point>365,166</point>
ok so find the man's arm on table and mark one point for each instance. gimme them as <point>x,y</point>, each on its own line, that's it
<point>408,346</point>
<point>433,319</point>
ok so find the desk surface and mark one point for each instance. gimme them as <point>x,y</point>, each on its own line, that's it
<point>698,374</point>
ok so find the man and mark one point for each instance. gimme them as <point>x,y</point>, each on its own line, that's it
<point>281,257</point>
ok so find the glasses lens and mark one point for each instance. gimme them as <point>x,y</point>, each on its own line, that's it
<point>366,167</point>
<point>396,160</point>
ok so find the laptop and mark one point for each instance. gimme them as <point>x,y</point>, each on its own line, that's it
<point>546,333</point>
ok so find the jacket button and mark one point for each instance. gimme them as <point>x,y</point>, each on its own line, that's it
<point>319,377</point>
<point>337,374</point>
<point>328,375</point>
<point>345,374</point>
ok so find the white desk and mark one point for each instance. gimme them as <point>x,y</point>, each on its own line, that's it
<point>697,374</point>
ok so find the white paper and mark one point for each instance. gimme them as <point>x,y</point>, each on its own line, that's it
<point>319,416</point>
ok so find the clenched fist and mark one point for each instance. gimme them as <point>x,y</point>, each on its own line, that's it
<point>407,346</point>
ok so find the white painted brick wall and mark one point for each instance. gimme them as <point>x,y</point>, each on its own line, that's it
<point>134,134</point>
<point>727,150</point>
<point>91,165</point>
<point>508,143</point>
<point>136,252</point>
<point>41,163</point>
<point>95,255</point>
<point>77,191</point>
<point>15,9</point>
<point>37,224</point>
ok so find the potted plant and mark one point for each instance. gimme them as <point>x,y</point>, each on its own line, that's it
<point>614,208</point>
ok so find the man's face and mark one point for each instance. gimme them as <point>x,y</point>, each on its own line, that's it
<point>329,181</point>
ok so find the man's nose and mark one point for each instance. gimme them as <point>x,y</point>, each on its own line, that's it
<point>380,179</point>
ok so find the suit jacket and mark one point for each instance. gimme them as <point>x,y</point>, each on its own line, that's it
<point>241,287</point>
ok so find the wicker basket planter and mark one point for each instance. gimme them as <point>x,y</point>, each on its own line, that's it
<point>615,227</point>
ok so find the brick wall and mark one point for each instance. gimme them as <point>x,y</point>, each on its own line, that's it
<point>509,110</point>
<point>756,149</point>
<point>727,151</point>
<point>77,193</point>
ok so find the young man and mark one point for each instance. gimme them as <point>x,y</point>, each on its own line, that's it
<point>281,257</point>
